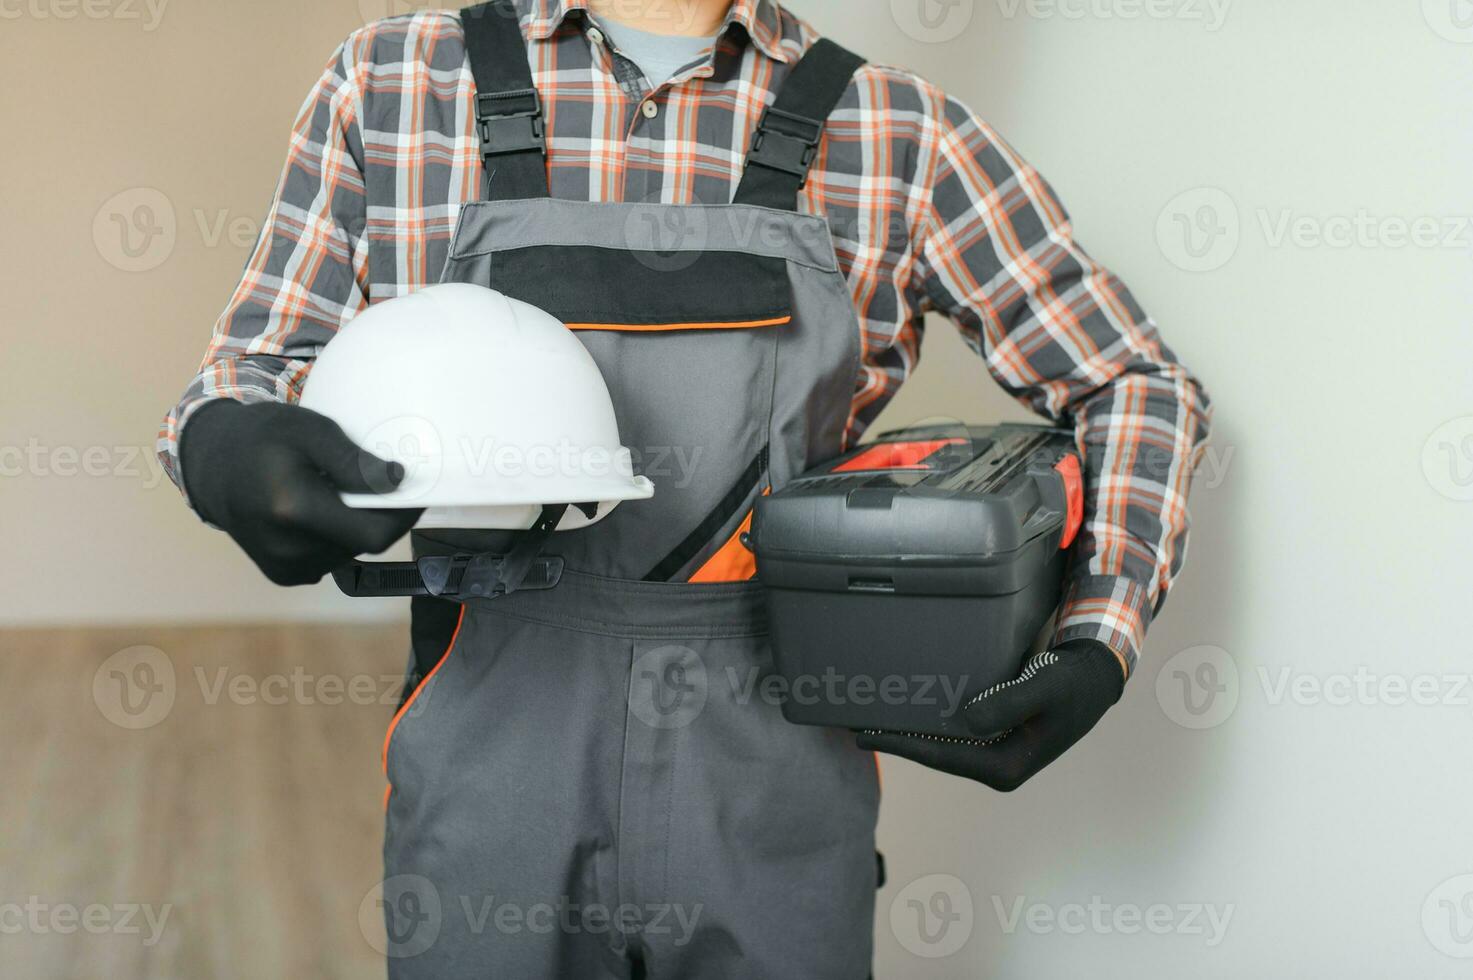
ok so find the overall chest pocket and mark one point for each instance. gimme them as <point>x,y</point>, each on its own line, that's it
<point>646,290</point>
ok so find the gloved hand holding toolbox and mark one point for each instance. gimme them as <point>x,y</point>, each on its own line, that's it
<point>906,582</point>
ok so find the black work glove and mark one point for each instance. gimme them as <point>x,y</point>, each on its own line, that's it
<point>1022,725</point>
<point>269,474</point>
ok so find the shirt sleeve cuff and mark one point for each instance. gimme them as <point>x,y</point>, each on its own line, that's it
<point>1112,609</point>
<point>173,428</point>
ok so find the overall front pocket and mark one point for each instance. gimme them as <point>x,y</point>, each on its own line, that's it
<point>593,288</point>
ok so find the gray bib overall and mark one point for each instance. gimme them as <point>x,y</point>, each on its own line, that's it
<point>588,778</point>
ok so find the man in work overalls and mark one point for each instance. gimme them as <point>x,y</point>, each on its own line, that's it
<point>832,203</point>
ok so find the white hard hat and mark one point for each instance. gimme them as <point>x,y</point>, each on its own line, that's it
<point>493,407</point>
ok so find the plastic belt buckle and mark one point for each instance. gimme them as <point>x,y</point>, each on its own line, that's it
<point>483,576</point>
<point>504,132</point>
<point>447,577</point>
<point>790,153</point>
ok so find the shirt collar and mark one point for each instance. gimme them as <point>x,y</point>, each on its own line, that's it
<point>760,19</point>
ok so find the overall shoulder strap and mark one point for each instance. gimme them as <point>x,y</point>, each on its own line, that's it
<point>508,111</point>
<point>787,138</point>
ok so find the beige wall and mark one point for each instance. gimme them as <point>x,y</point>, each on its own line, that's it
<point>1333,517</point>
<point>187,112</point>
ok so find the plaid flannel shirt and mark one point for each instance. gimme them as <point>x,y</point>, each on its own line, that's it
<point>931,211</point>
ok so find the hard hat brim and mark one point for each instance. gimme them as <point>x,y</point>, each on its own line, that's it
<point>546,492</point>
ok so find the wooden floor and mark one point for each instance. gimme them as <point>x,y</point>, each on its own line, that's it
<point>247,810</point>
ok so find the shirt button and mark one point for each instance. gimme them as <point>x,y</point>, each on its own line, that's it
<point>595,35</point>
<point>650,110</point>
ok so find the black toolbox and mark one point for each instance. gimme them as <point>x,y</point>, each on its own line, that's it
<point>914,572</point>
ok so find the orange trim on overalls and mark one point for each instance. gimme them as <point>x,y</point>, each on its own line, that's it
<point>389,735</point>
<point>733,561</point>
<point>641,327</point>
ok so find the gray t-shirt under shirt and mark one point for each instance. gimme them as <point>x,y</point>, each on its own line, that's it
<point>660,56</point>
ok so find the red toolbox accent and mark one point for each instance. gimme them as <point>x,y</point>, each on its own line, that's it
<point>1068,468</point>
<point>895,456</point>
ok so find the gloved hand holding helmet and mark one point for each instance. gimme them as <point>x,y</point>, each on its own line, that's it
<point>270,475</point>
<point>452,407</point>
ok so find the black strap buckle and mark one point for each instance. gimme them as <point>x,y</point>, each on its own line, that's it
<point>500,122</point>
<point>447,577</point>
<point>786,142</point>
<point>486,576</point>
<point>483,576</point>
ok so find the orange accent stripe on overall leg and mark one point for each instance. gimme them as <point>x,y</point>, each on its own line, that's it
<point>409,701</point>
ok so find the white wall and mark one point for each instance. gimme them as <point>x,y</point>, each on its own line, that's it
<point>1322,545</point>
